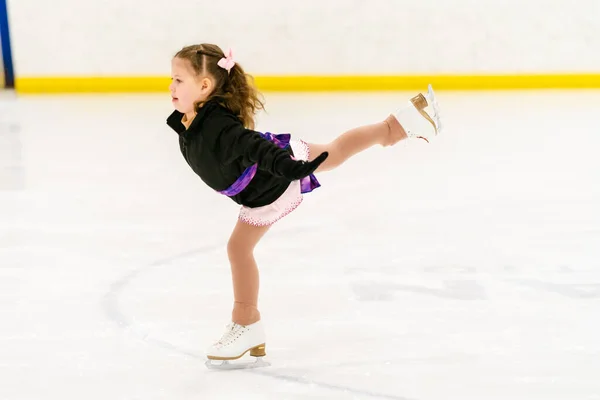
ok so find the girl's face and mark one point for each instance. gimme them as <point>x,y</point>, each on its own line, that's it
<point>186,87</point>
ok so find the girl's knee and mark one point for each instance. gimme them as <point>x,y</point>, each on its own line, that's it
<point>237,247</point>
<point>244,239</point>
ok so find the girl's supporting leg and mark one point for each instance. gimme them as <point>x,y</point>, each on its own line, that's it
<point>244,271</point>
<point>385,133</point>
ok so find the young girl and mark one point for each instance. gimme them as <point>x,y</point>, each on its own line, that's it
<point>267,174</point>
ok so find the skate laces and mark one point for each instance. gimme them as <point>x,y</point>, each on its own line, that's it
<point>232,332</point>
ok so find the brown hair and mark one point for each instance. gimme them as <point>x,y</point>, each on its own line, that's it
<point>234,90</point>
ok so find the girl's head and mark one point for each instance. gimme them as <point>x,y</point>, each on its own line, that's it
<point>197,77</point>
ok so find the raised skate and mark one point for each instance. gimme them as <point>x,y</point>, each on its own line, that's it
<point>238,340</point>
<point>420,118</point>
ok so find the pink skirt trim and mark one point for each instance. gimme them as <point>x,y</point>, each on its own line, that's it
<point>286,203</point>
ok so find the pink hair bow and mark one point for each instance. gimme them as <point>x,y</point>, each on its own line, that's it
<point>227,61</point>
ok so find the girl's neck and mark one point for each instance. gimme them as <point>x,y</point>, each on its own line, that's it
<point>187,119</point>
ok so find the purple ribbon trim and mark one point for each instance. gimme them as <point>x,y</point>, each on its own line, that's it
<point>282,140</point>
<point>307,184</point>
<point>241,183</point>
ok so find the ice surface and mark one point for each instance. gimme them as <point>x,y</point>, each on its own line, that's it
<point>465,269</point>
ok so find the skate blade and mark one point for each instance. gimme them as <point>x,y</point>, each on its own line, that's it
<point>236,364</point>
<point>435,106</point>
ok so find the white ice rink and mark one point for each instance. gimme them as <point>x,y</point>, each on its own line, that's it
<point>468,269</point>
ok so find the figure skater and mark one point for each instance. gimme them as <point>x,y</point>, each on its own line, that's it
<point>215,104</point>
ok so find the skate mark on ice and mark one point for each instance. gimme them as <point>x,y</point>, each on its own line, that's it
<point>572,290</point>
<point>456,289</point>
<point>112,310</point>
<point>305,381</point>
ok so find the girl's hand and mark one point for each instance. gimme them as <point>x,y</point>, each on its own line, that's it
<point>298,169</point>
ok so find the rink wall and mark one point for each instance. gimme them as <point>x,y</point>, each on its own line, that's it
<point>117,45</point>
<point>6,65</point>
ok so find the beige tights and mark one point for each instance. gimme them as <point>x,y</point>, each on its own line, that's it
<point>245,237</point>
<point>386,133</point>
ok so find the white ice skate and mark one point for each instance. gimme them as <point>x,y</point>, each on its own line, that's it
<point>421,116</point>
<point>235,342</point>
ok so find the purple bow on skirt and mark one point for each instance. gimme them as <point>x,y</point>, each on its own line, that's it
<point>307,184</point>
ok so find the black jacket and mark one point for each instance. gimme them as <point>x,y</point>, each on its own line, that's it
<point>218,149</point>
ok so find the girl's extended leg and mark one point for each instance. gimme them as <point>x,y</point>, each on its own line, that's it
<point>418,118</point>
<point>244,271</point>
<point>385,133</point>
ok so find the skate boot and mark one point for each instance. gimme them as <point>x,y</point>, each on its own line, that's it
<point>420,118</point>
<point>235,342</point>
